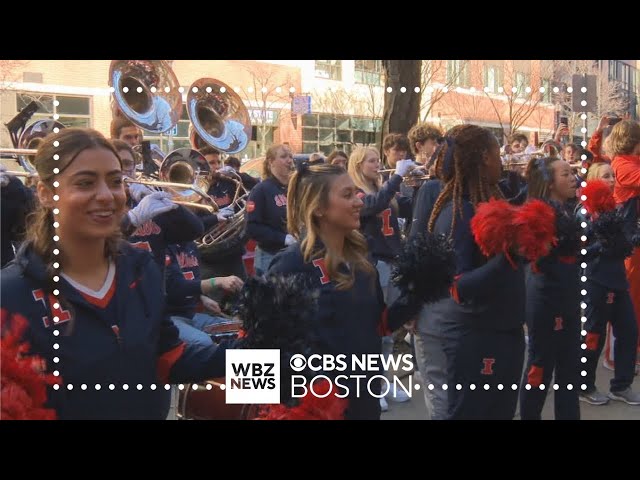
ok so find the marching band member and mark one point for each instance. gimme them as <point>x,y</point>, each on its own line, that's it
<point>17,202</point>
<point>222,190</point>
<point>553,300</point>
<point>485,320</point>
<point>338,157</point>
<point>186,290</point>
<point>267,207</point>
<point>379,221</point>
<point>125,130</point>
<point>423,139</point>
<point>608,299</point>
<point>324,214</point>
<point>98,320</point>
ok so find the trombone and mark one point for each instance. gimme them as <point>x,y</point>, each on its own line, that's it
<point>182,186</point>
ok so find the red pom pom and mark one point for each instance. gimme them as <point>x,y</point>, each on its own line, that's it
<point>311,407</point>
<point>492,226</point>
<point>536,229</point>
<point>23,385</point>
<point>599,197</point>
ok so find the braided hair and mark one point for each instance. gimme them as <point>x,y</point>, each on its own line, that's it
<point>463,170</point>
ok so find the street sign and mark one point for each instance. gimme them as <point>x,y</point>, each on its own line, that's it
<point>301,104</point>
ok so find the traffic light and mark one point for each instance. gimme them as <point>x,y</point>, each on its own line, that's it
<point>584,98</point>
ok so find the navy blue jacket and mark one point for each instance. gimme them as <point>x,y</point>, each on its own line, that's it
<point>267,215</point>
<point>346,322</point>
<point>16,203</point>
<point>631,213</point>
<point>183,279</point>
<point>135,347</point>
<point>379,221</point>
<point>175,226</point>
<point>554,279</point>
<point>222,191</point>
<point>489,293</point>
<point>602,269</point>
<point>424,202</point>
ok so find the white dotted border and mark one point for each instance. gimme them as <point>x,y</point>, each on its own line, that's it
<point>250,89</point>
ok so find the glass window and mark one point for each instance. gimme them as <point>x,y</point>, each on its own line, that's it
<point>73,105</point>
<point>458,73</point>
<point>327,121</point>
<point>329,69</point>
<point>369,72</point>
<point>309,134</point>
<point>310,120</point>
<point>492,78</point>
<point>72,111</point>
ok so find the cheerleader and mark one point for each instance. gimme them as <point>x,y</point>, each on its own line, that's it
<point>324,214</point>
<point>553,300</point>
<point>608,298</point>
<point>484,320</point>
<point>90,300</point>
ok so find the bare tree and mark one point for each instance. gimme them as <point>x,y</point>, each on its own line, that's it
<point>9,72</point>
<point>269,92</point>
<point>519,96</point>
<point>610,99</point>
<point>436,81</point>
<point>334,100</point>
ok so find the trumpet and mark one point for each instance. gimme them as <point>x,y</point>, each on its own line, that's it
<point>19,173</point>
<point>410,179</point>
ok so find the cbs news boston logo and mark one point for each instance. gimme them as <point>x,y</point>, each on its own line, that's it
<point>252,376</point>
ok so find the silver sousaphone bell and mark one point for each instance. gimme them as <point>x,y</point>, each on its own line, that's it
<point>218,116</point>
<point>146,92</point>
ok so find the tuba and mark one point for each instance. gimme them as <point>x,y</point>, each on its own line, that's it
<point>220,119</point>
<point>27,139</point>
<point>218,116</point>
<point>146,92</point>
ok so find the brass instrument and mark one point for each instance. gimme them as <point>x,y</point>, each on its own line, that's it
<point>218,116</point>
<point>410,179</point>
<point>234,225</point>
<point>30,137</point>
<point>182,172</point>
<point>19,173</point>
<point>146,92</point>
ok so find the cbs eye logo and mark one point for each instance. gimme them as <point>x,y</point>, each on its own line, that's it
<point>252,376</point>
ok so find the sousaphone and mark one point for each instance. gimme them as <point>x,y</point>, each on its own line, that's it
<point>220,119</point>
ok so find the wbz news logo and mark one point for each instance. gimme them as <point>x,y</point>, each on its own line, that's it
<point>252,376</point>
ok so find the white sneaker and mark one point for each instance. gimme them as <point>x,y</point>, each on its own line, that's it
<point>400,395</point>
<point>384,406</point>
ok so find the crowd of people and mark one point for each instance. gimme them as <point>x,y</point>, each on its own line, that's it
<point>116,293</point>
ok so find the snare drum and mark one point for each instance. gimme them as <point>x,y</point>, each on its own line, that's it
<point>207,402</point>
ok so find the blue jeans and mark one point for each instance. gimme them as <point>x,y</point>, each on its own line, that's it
<point>191,329</point>
<point>262,260</point>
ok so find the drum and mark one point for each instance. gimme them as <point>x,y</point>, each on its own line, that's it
<point>206,400</point>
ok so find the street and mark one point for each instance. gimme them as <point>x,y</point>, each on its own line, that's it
<point>614,410</point>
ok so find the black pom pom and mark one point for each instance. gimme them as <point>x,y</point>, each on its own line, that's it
<point>608,228</point>
<point>276,311</point>
<point>425,268</point>
<point>567,231</point>
<point>635,239</point>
